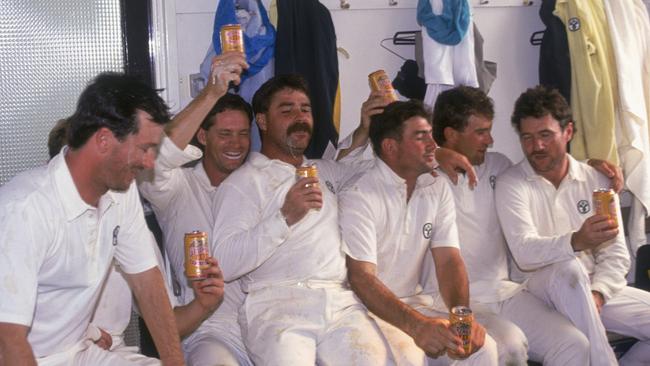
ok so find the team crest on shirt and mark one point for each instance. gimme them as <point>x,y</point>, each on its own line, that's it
<point>493,181</point>
<point>330,186</point>
<point>427,230</point>
<point>115,232</point>
<point>583,206</point>
<point>574,24</point>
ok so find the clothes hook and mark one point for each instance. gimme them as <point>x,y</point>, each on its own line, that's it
<point>392,2</point>
<point>484,2</point>
<point>345,4</point>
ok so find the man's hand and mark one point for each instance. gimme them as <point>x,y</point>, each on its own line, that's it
<point>594,231</point>
<point>226,68</point>
<point>435,337</point>
<point>452,162</point>
<point>599,300</point>
<point>105,340</point>
<point>302,197</point>
<point>477,341</point>
<point>613,172</point>
<point>209,292</point>
<point>375,104</point>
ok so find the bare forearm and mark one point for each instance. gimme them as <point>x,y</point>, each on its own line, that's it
<point>185,124</point>
<point>453,282</point>
<point>149,290</point>
<point>14,348</point>
<point>189,317</point>
<point>382,302</point>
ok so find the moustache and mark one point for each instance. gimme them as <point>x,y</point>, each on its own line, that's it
<point>299,127</point>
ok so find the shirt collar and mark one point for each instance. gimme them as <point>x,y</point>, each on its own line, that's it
<point>261,162</point>
<point>202,176</point>
<point>73,205</point>
<point>389,175</point>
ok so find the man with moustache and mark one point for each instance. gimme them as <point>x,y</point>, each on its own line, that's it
<point>394,218</point>
<point>462,120</point>
<point>280,235</point>
<point>547,215</point>
<point>61,228</point>
<point>182,199</point>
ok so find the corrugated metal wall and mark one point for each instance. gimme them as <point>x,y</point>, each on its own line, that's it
<point>48,52</point>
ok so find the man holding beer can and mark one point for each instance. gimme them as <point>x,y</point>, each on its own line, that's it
<point>280,235</point>
<point>574,258</point>
<point>182,196</point>
<point>396,219</point>
<point>512,316</point>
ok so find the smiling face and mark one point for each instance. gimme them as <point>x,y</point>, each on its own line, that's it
<point>288,124</point>
<point>137,152</point>
<point>544,144</point>
<point>227,141</point>
<point>474,140</point>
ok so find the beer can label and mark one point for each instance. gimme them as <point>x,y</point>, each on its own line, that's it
<point>604,203</point>
<point>232,38</point>
<point>461,319</point>
<point>197,252</point>
<point>379,81</point>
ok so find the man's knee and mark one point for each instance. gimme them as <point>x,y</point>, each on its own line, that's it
<point>512,348</point>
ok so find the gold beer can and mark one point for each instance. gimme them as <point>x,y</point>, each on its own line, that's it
<point>605,204</point>
<point>310,171</point>
<point>379,81</point>
<point>461,319</point>
<point>197,252</point>
<point>232,38</point>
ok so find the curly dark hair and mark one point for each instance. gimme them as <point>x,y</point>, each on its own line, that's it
<point>263,95</point>
<point>454,107</point>
<point>538,102</point>
<point>112,100</point>
<point>390,123</point>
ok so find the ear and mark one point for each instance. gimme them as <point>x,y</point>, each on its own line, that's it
<point>201,135</point>
<point>568,131</point>
<point>388,147</point>
<point>260,119</point>
<point>451,135</point>
<point>104,139</point>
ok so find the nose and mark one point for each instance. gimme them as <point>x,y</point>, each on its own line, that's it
<point>490,140</point>
<point>149,159</point>
<point>538,144</point>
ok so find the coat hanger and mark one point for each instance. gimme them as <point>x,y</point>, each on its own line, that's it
<point>403,38</point>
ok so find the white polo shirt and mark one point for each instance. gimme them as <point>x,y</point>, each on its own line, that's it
<point>182,200</point>
<point>483,245</point>
<point>379,226</point>
<point>538,221</point>
<point>56,251</point>
<point>252,238</point>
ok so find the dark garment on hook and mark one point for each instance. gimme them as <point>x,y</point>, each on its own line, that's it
<point>554,59</point>
<point>306,45</point>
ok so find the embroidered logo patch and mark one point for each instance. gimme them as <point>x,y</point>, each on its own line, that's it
<point>583,206</point>
<point>330,186</point>
<point>427,230</point>
<point>574,24</point>
<point>493,181</point>
<point>115,232</point>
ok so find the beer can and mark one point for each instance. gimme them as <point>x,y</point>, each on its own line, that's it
<point>379,81</point>
<point>310,171</point>
<point>605,204</point>
<point>232,38</point>
<point>461,319</point>
<point>197,252</point>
